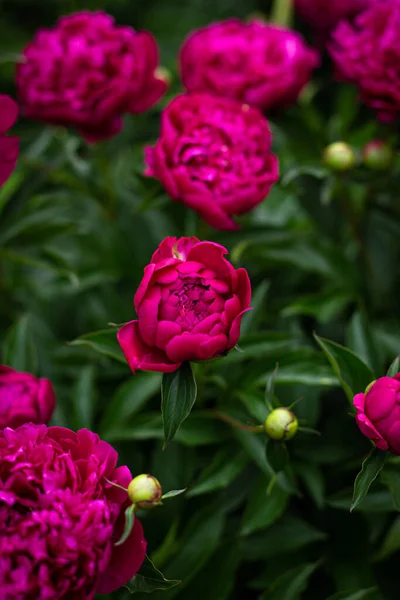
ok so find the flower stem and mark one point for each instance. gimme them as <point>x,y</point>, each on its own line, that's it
<point>237,424</point>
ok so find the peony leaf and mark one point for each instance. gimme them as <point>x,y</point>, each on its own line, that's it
<point>172,494</point>
<point>178,394</point>
<point>149,579</point>
<point>354,375</point>
<point>129,522</point>
<point>277,455</point>
<point>370,470</point>
<point>103,341</point>
<point>394,367</point>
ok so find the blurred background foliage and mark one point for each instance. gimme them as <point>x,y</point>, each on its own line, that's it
<point>77,226</point>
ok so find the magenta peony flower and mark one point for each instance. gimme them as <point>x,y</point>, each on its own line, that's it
<point>24,398</point>
<point>9,146</point>
<point>214,156</point>
<point>189,305</point>
<point>87,72</point>
<point>256,63</point>
<point>59,518</point>
<point>323,15</point>
<point>378,413</point>
<point>367,53</point>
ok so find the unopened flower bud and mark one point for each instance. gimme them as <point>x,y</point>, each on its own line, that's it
<point>145,491</point>
<point>281,424</point>
<point>377,155</point>
<point>339,156</point>
<point>163,74</point>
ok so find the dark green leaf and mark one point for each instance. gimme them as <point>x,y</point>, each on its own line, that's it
<point>357,595</point>
<point>263,509</point>
<point>84,397</point>
<point>223,469</point>
<point>352,372</point>
<point>258,302</point>
<point>292,584</point>
<point>360,340</point>
<point>178,395</point>
<point>19,349</point>
<point>104,342</point>
<point>390,476</point>
<point>150,579</point>
<point>391,542</point>
<point>370,470</point>
<point>394,367</point>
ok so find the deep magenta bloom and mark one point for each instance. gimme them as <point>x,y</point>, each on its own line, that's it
<point>189,304</point>
<point>59,518</point>
<point>323,15</point>
<point>9,146</point>
<point>214,155</point>
<point>367,53</point>
<point>256,63</point>
<point>87,72</point>
<point>24,398</point>
<point>378,413</point>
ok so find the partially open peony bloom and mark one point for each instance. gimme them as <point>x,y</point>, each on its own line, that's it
<point>24,398</point>
<point>189,304</point>
<point>378,413</point>
<point>367,53</point>
<point>256,63</point>
<point>59,518</point>
<point>214,155</point>
<point>87,72</point>
<point>323,15</point>
<point>9,146</point>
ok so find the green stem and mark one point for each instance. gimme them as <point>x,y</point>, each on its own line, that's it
<point>237,424</point>
<point>282,13</point>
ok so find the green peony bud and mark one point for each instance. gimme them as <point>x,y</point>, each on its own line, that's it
<point>281,424</point>
<point>145,491</point>
<point>339,156</point>
<point>377,155</point>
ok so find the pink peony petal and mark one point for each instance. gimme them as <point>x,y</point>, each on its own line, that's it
<point>143,286</point>
<point>367,428</point>
<point>234,333</point>
<point>359,402</point>
<point>381,398</point>
<point>139,355</point>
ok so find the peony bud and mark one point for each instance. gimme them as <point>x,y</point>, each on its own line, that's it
<point>377,155</point>
<point>281,424</point>
<point>339,156</point>
<point>145,491</point>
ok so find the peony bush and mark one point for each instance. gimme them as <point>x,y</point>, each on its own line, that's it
<point>233,432</point>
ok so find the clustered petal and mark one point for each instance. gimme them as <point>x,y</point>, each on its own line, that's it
<point>214,155</point>
<point>59,518</point>
<point>9,146</point>
<point>378,413</point>
<point>253,62</point>
<point>24,398</point>
<point>189,305</point>
<point>367,53</point>
<point>87,72</point>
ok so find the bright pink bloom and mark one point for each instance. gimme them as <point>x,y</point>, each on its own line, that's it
<point>24,398</point>
<point>378,413</point>
<point>189,304</point>
<point>59,518</point>
<point>9,146</point>
<point>256,63</point>
<point>367,53</point>
<point>323,15</point>
<point>214,155</point>
<point>87,72</point>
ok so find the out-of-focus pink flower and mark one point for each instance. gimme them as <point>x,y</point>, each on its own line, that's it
<point>214,155</point>
<point>367,53</point>
<point>256,63</point>
<point>87,72</point>
<point>59,518</point>
<point>323,15</point>
<point>378,413</point>
<point>9,146</point>
<point>189,304</point>
<point>24,398</point>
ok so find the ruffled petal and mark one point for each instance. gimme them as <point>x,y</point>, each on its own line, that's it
<point>139,355</point>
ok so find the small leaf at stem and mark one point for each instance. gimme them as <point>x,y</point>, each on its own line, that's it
<point>394,367</point>
<point>129,522</point>
<point>178,394</point>
<point>371,468</point>
<point>173,493</point>
<point>150,579</point>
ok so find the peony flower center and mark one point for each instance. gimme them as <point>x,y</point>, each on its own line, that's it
<point>193,300</point>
